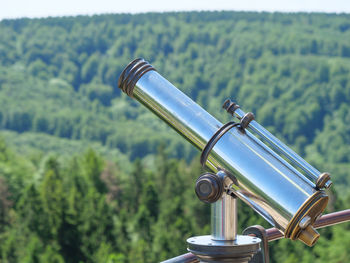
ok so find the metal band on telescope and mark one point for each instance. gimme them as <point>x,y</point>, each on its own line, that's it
<point>132,73</point>
<point>214,139</point>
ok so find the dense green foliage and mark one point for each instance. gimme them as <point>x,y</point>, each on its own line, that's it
<point>60,202</point>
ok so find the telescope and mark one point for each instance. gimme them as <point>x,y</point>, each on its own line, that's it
<point>264,173</point>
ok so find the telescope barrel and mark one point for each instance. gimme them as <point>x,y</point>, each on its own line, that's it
<point>261,179</point>
<point>168,103</point>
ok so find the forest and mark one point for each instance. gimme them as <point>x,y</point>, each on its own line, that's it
<point>89,175</point>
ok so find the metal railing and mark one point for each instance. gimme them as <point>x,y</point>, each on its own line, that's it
<point>274,234</point>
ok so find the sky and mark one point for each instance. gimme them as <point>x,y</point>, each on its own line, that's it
<point>45,8</point>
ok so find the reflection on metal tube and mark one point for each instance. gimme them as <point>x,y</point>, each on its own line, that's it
<point>261,179</point>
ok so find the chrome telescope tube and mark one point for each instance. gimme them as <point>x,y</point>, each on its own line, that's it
<point>263,181</point>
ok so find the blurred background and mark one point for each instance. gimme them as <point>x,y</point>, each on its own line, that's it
<point>88,175</point>
<point>42,8</point>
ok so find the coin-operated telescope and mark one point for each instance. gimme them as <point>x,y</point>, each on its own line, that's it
<point>288,194</point>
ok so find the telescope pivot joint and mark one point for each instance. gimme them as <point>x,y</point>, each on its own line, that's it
<point>209,187</point>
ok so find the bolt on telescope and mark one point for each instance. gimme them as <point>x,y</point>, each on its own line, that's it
<point>261,178</point>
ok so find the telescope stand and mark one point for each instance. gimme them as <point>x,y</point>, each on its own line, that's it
<point>292,197</point>
<point>269,235</point>
<point>224,245</point>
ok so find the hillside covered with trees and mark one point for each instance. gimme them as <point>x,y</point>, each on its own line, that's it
<point>88,175</point>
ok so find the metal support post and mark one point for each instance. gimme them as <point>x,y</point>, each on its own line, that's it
<point>223,245</point>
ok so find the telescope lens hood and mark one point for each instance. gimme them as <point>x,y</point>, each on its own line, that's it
<point>132,73</point>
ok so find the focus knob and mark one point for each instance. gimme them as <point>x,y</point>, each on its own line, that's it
<point>209,188</point>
